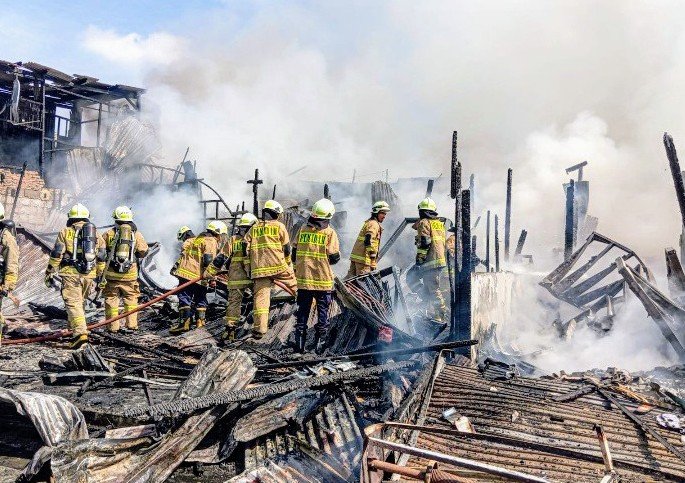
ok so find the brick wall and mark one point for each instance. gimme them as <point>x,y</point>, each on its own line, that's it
<point>35,200</point>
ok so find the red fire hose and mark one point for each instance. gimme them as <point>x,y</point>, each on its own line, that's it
<point>66,332</point>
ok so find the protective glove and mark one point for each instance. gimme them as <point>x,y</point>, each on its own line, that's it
<point>49,278</point>
<point>101,282</point>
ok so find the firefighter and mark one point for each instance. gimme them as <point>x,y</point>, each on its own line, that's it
<point>232,259</point>
<point>184,234</point>
<point>196,256</point>
<point>125,246</point>
<point>364,257</point>
<point>78,257</point>
<point>430,254</point>
<point>268,260</point>
<point>9,260</point>
<point>315,249</point>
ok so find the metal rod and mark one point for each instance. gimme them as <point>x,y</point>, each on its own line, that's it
<point>457,461</point>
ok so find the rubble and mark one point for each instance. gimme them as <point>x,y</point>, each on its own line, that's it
<point>395,392</point>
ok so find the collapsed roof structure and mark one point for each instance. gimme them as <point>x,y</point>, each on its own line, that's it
<point>396,396</point>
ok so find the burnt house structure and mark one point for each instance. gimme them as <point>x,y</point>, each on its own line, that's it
<point>45,113</point>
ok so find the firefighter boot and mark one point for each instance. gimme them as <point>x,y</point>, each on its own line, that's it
<point>300,340</point>
<point>78,341</point>
<point>320,342</point>
<point>228,334</point>
<point>184,316</point>
<point>200,317</point>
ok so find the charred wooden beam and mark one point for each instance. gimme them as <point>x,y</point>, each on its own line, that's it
<point>373,355</point>
<point>520,243</point>
<point>462,327</point>
<point>569,235</point>
<point>496,244</point>
<point>507,217</point>
<point>189,405</point>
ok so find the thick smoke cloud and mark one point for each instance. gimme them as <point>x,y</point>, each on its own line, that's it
<point>533,85</point>
<point>537,86</point>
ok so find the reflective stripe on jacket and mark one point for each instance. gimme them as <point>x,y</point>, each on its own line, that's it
<point>236,276</point>
<point>264,245</point>
<point>434,255</point>
<point>312,268</point>
<point>190,265</point>
<point>10,251</point>
<point>367,255</point>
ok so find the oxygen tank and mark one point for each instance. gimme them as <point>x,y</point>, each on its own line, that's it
<point>123,250</point>
<point>86,248</point>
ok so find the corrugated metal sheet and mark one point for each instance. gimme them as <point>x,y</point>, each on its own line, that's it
<point>522,408</point>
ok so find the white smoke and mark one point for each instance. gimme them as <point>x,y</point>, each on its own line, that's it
<point>533,86</point>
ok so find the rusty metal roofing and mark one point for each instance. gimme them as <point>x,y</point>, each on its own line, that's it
<point>523,408</point>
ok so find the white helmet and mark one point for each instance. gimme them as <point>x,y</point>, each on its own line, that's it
<point>323,209</point>
<point>2,212</point>
<point>273,205</point>
<point>248,219</point>
<point>218,227</point>
<point>79,211</point>
<point>122,213</point>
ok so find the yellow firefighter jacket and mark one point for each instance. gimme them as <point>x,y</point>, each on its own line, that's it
<point>196,255</point>
<point>265,244</point>
<point>63,253</point>
<point>234,251</point>
<point>432,256</point>
<point>312,268</point>
<point>367,255</point>
<point>139,250</point>
<point>450,244</point>
<point>10,252</point>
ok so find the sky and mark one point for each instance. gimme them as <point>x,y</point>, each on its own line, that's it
<point>374,85</point>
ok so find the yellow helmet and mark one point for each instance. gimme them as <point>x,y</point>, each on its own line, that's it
<point>323,209</point>
<point>218,227</point>
<point>122,213</point>
<point>380,207</point>
<point>428,204</point>
<point>248,219</point>
<point>79,211</point>
<point>182,231</point>
<point>273,205</point>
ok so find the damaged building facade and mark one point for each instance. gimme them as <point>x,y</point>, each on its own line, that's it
<point>396,396</point>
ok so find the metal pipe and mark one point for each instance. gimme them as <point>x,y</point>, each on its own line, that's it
<point>457,461</point>
<point>397,469</point>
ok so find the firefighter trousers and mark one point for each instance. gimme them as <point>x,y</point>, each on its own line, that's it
<point>194,296</point>
<point>358,269</point>
<point>432,283</point>
<point>116,290</point>
<point>234,305</point>
<point>262,298</point>
<point>304,307</point>
<point>75,290</point>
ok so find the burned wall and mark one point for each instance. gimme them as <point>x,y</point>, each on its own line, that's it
<point>35,201</point>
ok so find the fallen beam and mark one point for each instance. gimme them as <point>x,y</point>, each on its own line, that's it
<point>189,405</point>
<point>368,355</point>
